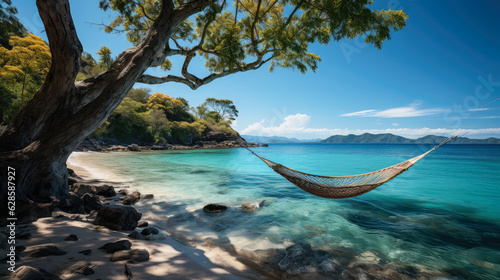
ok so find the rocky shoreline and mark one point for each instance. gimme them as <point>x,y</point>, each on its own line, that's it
<point>211,141</point>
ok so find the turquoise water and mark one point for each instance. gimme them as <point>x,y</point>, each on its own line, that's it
<point>443,214</point>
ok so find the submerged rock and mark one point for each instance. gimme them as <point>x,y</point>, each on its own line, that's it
<point>118,217</point>
<point>148,196</point>
<point>301,258</point>
<point>214,208</point>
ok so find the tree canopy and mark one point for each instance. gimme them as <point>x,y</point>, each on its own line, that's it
<point>22,71</point>
<point>242,35</point>
<point>9,23</point>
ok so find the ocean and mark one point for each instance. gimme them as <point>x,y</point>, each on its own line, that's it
<point>441,215</point>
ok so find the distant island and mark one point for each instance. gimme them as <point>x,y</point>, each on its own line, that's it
<point>368,138</point>
<point>276,139</point>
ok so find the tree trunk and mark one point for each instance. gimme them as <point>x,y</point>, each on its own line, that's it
<point>64,112</point>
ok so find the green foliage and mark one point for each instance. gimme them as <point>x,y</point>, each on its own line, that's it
<point>9,24</point>
<point>139,94</point>
<point>105,59</point>
<point>222,109</point>
<point>158,118</point>
<point>22,71</point>
<point>88,67</point>
<point>249,33</point>
<point>176,109</point>
<point>182,130</point>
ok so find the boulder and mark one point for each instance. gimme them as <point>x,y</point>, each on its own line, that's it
<point>118,217</point>
<point>93,214</point>
<point>132,198</point>
<point>214,208</point>
<point>72,203</point>
<point>81,267</point>
<point>81,189</point>
<point>71,181</point>
<point>148,196</point>
<point>71,237</point>
<point>131,256</point>
<point>264,145</point>
<point>150,230</point>
<point>45,250</point>
<point>133,147</point>
<point>91,202</point>
<point>136,235</point>
<point>31,273</point>
<point>123,192</point>
<point>116,246</point>
<point>142,224</point>
<point>105,190</point>
<point>71,172</point>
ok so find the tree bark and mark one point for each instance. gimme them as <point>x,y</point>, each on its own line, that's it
<point>64,112</point>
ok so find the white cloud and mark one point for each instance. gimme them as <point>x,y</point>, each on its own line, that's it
<point>359,113</point>
<point>291,124</point>
<point>395,124</point>
<point>479,109</point>
<point>296,126</point>
<point>398,112</point>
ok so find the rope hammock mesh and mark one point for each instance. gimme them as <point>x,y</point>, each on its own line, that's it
<point>343,186</point>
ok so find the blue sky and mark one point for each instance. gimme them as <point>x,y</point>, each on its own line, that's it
<point>433,77</point>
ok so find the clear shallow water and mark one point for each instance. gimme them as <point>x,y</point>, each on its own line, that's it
<point>442,214</point>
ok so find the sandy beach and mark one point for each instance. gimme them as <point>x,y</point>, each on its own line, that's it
<point>168,259</point>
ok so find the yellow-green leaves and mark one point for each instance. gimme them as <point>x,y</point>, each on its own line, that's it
<point>224,39</point>
<point>23,68</point>
<point>105,59</point>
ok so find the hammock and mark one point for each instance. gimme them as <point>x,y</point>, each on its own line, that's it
<point>344,186</point>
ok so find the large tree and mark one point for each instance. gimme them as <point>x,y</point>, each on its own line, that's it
<point>231,36</point>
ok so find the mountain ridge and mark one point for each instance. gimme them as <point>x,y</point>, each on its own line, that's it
<point>368,138</point>
<point>388,138</point>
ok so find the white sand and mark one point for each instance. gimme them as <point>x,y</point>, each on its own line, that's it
<point>168,258</point>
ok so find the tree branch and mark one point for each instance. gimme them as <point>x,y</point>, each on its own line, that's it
<point>252,32</point>
<point>143,11</point>
<point>166,53</point>
<point>289,19</point>
<point>152,80</point>
<point>187,9</point>
<point>65,46</point>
